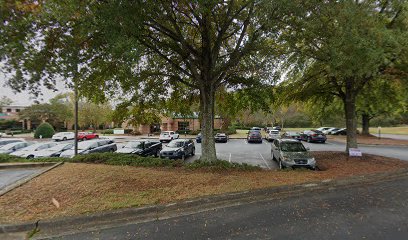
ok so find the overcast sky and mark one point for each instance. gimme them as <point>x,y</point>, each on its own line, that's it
<point>24,98</point>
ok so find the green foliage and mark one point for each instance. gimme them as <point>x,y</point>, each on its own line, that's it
<point>220,165</point>
<point>9,124</point>
<point>4,101</point>
<point>136,161</point>
<point>45,130</point>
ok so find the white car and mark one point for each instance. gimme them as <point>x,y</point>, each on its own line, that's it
<point>330,131</point>
<point>30,151</point>
<point>322,129</point>
<point>15,146</point>
<point>53,151</point>
<point>167,136</point>
<point>272,135</point>
<point>63,136</point>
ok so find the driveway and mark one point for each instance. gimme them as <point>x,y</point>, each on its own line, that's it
<point>369,211</point>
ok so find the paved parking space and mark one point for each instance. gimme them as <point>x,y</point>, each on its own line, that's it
<point>10,176</point>
<point>240,151</point>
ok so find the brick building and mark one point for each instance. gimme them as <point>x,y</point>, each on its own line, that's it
<point>176,123</point>
<point>11,112</point>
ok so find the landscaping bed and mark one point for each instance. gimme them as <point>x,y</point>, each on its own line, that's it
<point>82,188</point>
<point>371,140</point>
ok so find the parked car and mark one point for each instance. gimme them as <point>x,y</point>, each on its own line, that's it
<point>256,129</point>
<point>341,131</point>
<point>63,136</point>
<point>30,151</point>
<point>313,136</point>
<point>272,134</point>
<point>277,128</point>
<point>142,148</point>
<point>178,148</point>
<point>321,129</point>
<point>291,153</point>
<point>254,136</point>
<point>221,137</point>
<point>167,136</point>
<point>15,146</point>
<point>198,138</point>
<point>54,151</point>
<point>93,146</point>
<point>330,131</point>
<point>82,136</point>
<point>10,140</point>
<point>292,135</point>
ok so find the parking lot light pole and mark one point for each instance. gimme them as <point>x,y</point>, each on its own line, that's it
<point>76,119</point>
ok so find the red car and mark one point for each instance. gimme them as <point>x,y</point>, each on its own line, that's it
<point>87,136</point>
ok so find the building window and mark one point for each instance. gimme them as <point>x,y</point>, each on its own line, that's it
<point>183,126</point>
<point>8,109</point>
<point>17,110</point>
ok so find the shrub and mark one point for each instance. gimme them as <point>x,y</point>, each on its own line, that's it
<point>128,131</point>
<point>222,165</point>
<point>107,131</point>
<point>195,132</point>
<point>183,131</point>
<point>45,130</point>
<point>136,133</point>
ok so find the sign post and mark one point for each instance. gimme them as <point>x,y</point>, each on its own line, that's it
<point>379,132</point>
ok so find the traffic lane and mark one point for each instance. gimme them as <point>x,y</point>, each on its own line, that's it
<point>370,211</point>
<point>240,151</point>
<point>10,176</point>
<point>386,151</point>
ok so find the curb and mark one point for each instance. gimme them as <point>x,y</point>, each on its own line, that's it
<point>186,207</point>
<point>25,165</point>
<point>26,179</point>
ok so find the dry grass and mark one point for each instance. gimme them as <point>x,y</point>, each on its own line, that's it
<point>361,139</point>
<point>85,188</point>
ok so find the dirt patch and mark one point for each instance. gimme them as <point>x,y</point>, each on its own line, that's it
<point>83,188</point>
<point>371,140</point>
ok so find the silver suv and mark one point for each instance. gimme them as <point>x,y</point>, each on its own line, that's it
<point>292,153</point>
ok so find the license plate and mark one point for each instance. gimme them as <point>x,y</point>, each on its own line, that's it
<point>320,136</point>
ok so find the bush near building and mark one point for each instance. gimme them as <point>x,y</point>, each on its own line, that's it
<point>45,130</point>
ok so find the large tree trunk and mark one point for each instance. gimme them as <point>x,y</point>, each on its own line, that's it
<point>365,124</point>
<point>350,114</point>
<point>207,99</point>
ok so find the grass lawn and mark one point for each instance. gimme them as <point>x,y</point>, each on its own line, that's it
<point>390,130</point>
<point>82,188</point>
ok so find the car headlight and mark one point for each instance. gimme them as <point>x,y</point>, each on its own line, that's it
<point>312,160</point>
<point>286,159</point>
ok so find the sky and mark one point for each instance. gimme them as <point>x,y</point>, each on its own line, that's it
<point>24,98</point>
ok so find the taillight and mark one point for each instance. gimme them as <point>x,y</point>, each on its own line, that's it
<point>314,135</point>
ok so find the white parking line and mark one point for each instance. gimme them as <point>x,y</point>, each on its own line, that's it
<point>229,159</point>
<point>264,160</point>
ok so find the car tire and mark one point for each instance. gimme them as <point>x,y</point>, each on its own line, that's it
<point>84,139</point>
<point>309,139</point>
<point>193,152</point>
<point>97,136</point>
<point>156,153</point>
<point>30,157</point>
<point>111,150</point>
<point>64,139</point>
<point>324,142</point>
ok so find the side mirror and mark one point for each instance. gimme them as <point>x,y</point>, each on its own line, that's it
<point>123,146</point>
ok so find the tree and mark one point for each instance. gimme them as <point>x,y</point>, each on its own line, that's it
<point>379,98</point>
<point>4,101</point>
<point>341,46</point>
<point>144,47</point>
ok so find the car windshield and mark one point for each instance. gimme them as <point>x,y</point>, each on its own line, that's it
<point>86,145</point>
<point>134,145</point>
<point>33,147</point>
<point>165,133</point>
<point>175,144</point>
<point>274,132</point>
<point>60,147</point>
<point>292,147</point>
<point>8,146</point>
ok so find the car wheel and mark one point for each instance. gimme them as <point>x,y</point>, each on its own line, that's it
<point>112,150</point>
<point>193,152</point>
<point>30,156</point>
<point>97,136</point>
<point>324,142</point>
<point>64,139</point>
<point>156,153</point>
<point>84,139</point>
<point>309,139</point>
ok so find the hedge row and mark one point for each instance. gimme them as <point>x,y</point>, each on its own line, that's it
<point>134,160</point>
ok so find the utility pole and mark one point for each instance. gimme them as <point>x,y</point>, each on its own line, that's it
<point>76,118</point>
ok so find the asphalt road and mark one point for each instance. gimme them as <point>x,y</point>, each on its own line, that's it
<point>372,211</point>
<point>9,176</point>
